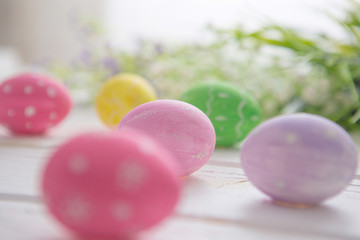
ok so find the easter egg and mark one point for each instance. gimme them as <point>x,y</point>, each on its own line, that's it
<point>109,185</point>
<point>119,95</point>
<point>31,103</point>
<point>299,159</point>
<point>233,113</point>
<point>180,127</point>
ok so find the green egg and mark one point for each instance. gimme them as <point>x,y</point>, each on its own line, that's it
<point>234,113</point>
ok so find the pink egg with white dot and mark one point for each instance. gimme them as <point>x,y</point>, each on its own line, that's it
<point>109,185</point>
<point>180,127</point>
<point>299,159</point>
<point>32,103</point>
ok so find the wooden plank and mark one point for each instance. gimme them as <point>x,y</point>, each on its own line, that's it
<point>27,221</point>
<point>228,199</point>
<point>218,202</point>
<point>217,192</point>
<point>20,175</point>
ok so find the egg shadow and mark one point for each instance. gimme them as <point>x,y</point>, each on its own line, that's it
<point>312,220</point>
<point>45,139</point>
<point>133,237</point>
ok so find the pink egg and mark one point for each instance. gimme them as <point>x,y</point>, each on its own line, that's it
<point>109,185</point>
<point>32,103</point>
<point>181,127</point>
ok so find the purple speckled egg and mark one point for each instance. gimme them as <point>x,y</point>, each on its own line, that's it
<point>299,159</point>
<point>181,128</point>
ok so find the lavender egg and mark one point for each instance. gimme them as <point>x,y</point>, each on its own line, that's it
<point>299,159</point>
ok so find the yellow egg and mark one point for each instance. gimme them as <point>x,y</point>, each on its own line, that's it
<point>120,94</point>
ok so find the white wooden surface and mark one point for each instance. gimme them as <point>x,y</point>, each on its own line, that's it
<point>218,202</point>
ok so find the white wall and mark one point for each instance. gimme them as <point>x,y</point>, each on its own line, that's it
<point>40,29</point>
<point>184,20</point>
<point>43,28</point>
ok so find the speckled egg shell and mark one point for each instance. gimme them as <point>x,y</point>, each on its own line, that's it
<point>107,185</point>
<point>299,159</point>
<point>233,113</point>
<point>182,128</point>
<point>32,103</point>
<point>119,95</point>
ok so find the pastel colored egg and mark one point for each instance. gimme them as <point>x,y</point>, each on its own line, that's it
<point>234,113</point>
<point>180,127</point>
<point>119,95</point>
<point>32,103</point>
<point>299,159</point>
<point>110,185</point>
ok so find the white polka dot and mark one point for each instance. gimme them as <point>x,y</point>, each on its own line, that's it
<point>28,125</point>
<point>28,90</point>
<point>255,118</point>
<point>330,133</point>
<point>30,111</point>
<point>78,164</point>
<point>177,136</point>
<point>77,210</point>
<point>11,112</point>
<point>122,211</point>
<point>280,184</point>
<point>53,116</point>
<point>220,118</point>
<point>146,146</point>
<point>203,154</point>
<point>291,138</point>
<point>130,175</point>
<point>6,88</point>
<point>187,108</point>
<point>51,92</point>
<point>223,95</point>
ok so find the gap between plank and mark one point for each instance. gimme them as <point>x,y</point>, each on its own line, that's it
<point>255,226</point>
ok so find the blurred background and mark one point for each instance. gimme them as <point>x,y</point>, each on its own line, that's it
<point>299,55</point>
<point>39,29</point>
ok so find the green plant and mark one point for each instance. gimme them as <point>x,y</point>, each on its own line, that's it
<point>286,70</point>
